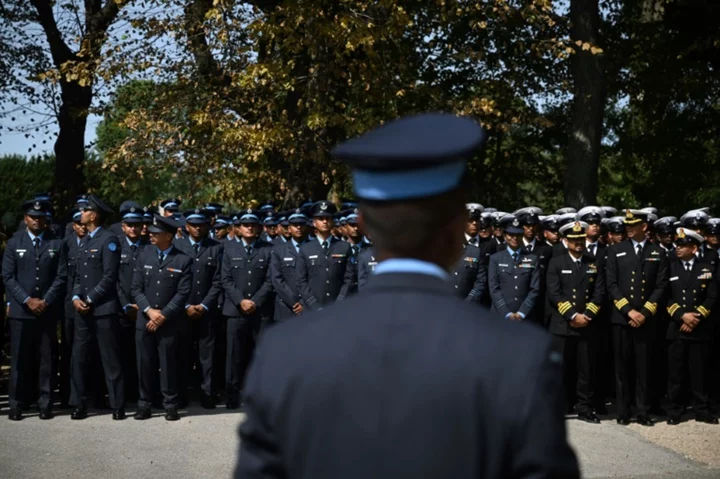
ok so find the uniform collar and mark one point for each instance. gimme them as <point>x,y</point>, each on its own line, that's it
<point>472,239</point>
<point>529,243</point>
<point>511,252</point>
<point>164,252</point>
<point>130,243</point>
<point>94,232</point>
<point>641,243</point>
<point>329,240</point>
<point>32,236</point>
<point>244,243</point>
<point>410,265</point>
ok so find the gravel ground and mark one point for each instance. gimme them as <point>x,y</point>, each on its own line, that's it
<point>697,441</point>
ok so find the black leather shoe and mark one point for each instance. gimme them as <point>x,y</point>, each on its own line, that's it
<point>119,414</point>
<point>589,417</point>
<point>623,420</point>
<point>232,404</point>
<point>171,414</point>
<point>673,420</point>
<point>79,413</point>
<point>707,419</point>
<point>142,414</point>
<point>46,414</point>
<point>645,421</point>
<point>207,402</point>
<point>15,414</point>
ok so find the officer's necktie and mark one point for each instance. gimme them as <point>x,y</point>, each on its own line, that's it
<point>248,249</point>
<point>592,248</point>
<point>355,249</point>
<point>161,256</point>
<point>196,247</point>
<point>639,250</point>
<point>515,257</point>
<point>133,247</point>
<point>473,241</point>
<point>325,246</point>
<point>687,266</point>
<point>578,264</point>
<point>36,245</point>
<point>529,247</point>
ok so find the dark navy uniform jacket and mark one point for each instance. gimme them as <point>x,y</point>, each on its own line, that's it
<point>96,272</point>
<point>25,276</point>
<point>694,292</point>
<point>207,265</point>
<point>469,282</point>
<point>365,266</point>
<point>72,248</point>
<point>515,287</point>
<point>404,381</point>
<point>571,291</point>
<point>635,283</point>
<point>128,258</point>
<point>245,277</point>
<point>164,286</point>
<point>324,278</point>
<point>283,275</point>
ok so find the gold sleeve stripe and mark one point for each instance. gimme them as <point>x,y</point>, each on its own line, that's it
<point>652,307</point>
<point>621,303</point>
<point>594,308</point>
<point>704,311</point>
<point>564,307</point>
<point>672,309</point>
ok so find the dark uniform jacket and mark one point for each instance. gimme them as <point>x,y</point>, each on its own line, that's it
<point>245,277</point>
<point>324,278</point>
<point>514,287</point>
<point>164,286</point>
<point>96,273</point>
<point>206,270</point>
<point>710,256</point>
<point>571,291</point>
<point>126,271</point>
<point>694,292</point>
<point>73,250</point>
<point>25,275</point>
<point>635,283</point>
<point>316,412</point>
<point>283,276</point>
<point>469,283</point>
<point>365,266</point>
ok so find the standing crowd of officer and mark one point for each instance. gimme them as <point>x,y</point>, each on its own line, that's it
<point>158,305</point>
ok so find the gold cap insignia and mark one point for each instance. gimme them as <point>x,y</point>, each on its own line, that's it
<point>629,214</point>
<point>681,233</point>
<point>577,227</point>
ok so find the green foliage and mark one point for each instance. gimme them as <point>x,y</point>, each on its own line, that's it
<point>21,178</point>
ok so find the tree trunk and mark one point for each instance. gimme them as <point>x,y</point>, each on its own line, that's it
<point>70,144</point>
<point>583,152</point>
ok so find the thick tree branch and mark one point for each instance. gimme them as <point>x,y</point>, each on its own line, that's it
<point>58,48</point>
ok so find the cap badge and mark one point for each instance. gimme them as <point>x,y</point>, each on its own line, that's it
<point>197,211</point>
<point>37,205</point>
<point>355,211</point>
<point>249,211</point>
<point>155,221</point>
<point>629,214</point>
<point>516,222</point>
<point>577,227</point>
<point>298,211</point>
<point>323,206</point>
<point>132,209</point>
<point>681,233</point>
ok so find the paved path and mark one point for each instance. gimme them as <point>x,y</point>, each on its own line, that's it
<point>204,444</point>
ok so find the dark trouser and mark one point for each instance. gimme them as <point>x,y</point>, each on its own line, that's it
<point>714,377</point>
<point>153,350</point>
<point>32,342</point>
<point>603,379</point>
<point>632,349</point>
<point>240,342</point>
<point>197,355</point>
<point>67,329</point>
<point>578,369</point>
<point>688,357</point>
<point>128,357</point>
<point>658,363</point>
<point>106,330</point>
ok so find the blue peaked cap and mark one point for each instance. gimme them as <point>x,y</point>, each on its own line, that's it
<point>413,157</point>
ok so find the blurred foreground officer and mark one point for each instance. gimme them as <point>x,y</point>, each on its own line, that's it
<point>382,421</point>
<point>575,289</point>
<point>514,277</point>
<point>198,329</point>
<point>161,288</point>
<point>95,299</point>
<point>283,269</point>
<point>34,270</point>
<point>693,292</point>
<point>246,282</point>
<point>636,281</point>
